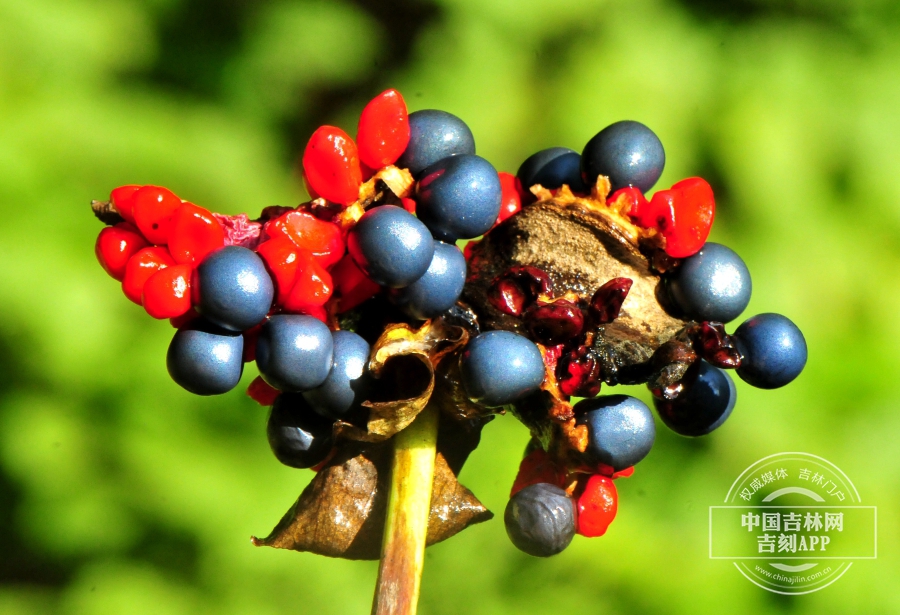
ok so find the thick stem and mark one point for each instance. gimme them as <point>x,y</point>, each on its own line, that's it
<point>406,524</point>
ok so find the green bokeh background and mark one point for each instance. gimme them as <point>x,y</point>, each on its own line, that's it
<point>121,493</point>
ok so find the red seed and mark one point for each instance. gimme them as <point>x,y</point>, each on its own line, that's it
<point>383,132</point>
<point>167,293</point>
<point>352,285</point>
<point>194,233</point>
<point>607,301</point>
<point>554,323</point>
<point>684,215</point>
<point>409,205</point>
<point>262,392</point>
<point>312,287</point>
<point>511,201</point>
<point>251,335</point>
<point>280,257</point>
<point>323,239</point>
<point>331,165</point>
<point>140,267</point>
<point>153,209</point>
<point>578,373</point>
<point>122,199</point>
<point>597,506</point>
<point>517,288</point>
<point>116,245</point>
<point>537,467</point>
<point>633,201</point>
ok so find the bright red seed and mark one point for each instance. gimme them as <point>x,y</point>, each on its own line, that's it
<point>312,287</point>
<point>684,215</point>
<point>408,204</point>
<point>352,285</point>
<point>537,467</point>
<point>194,233</point>
<point>140,267</point>
<point>323,239</point>
<point>262,392</point>
<point>635,205</point>
<point>167,293</point>
<point>331,165</point>
<point>383,132</point>
<point>153,209</point>
<point>511,201</point>
<point>610,471</point>
<point>597,506</point>
<point>115,245</point>
<point>280,256</point>
<point>122,199</point>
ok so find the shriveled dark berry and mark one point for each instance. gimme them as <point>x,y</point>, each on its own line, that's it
<point>620,429</point>
<point>540,520</point>
<point>607,301</point>
<point>717,347</point>
<point>705,403</point>
<point>554,323</point>
<point>551,168</point>
<point>299,436</point>
<point>434,135</point>
<point>713,284</point>
<point>627,152</point>
<point>773,351</point>
<point>205,359</point>
<point>578,373</point>
<point>517,288</point>
<point>500,367</point>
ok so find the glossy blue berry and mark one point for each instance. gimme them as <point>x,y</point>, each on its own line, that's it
<point>459,197</point>
<point>713,284</point>
<point>434,135</point>
<point>391,246</point>
<point>551,168</point>
<point>703,406</point>
<point>439,288</point>
<point>205,359</point>
<point>294,352</point>
<point>773,351</point>
<point>233,288</point>
<point>540,520</point>
<point>500,367</point>
<point>299,436</point>
<point>348,384</point>
<point>627,152</point>
<point>620,429</point>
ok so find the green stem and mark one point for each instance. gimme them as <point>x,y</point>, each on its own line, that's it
<point>406,523</point>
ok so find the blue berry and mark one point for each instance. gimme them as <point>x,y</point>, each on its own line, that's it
<point>294,352</point>
<point>233,288</point>
<point>434,135</point>
<point>713,284</point>
<point>707,401</point>
<point>540,520</point>
<point>627,152</point>
<point>439,288</point>
<point>773,351</point>
<point>552,168</point>
<point>500,367</point>
<point>391,246</point>
<point>620,429</point>
<point>459,197</point>
<point>205,359</point>
<point>299,437</point>
<point>348,384</point>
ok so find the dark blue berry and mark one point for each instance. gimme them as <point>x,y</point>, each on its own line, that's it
<point>434,135</point>
<point>459,197</point>
<point>233,288</point>
<point>773,351</point>
<point>703,406</point>
<point>299,436</point>
<point>551,168</point>
<point>620,429</point>
<point>540,520</point>
<point>294,352</point>
<point>439,288</point>
<point>713,284</point>
<point>627,152</point>
<point>391,246</point>
<point>348,384</point>
<point>500,367</point>
<point>205,359</point>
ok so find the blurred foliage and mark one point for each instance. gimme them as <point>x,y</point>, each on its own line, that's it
<point>120,493</point>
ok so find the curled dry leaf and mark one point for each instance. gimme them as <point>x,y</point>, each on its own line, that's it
<point>341,512</point>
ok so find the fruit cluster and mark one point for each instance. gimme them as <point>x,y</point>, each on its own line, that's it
<point>291,289</point>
